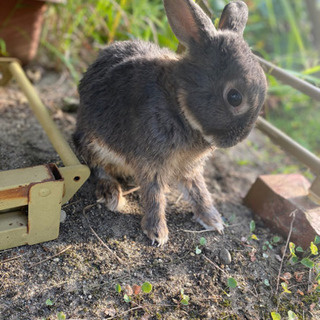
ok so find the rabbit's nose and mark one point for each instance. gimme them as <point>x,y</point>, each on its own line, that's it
<point>234,98</point>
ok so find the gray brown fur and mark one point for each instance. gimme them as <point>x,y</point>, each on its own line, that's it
<point>147,112</point>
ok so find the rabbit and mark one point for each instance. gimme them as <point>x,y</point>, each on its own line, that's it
<point>150,113</point>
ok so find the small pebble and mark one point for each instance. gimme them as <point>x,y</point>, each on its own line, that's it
<point>225,256</point>
<point>63,216</point>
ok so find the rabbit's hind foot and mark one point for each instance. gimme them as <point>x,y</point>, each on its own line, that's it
<point>155,231</point>
<point>109,192</point>
<point>210,220</point>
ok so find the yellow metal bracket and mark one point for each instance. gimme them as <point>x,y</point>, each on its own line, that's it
<point>31,198</point>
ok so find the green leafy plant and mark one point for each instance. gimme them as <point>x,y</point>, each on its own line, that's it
<point>275,316</point>
<point>232,283</point>
<point>308,261</point>
<point>146,287</point>
<point>252,229</point>
<point>133,294</point>
<point>270,244</point>
<point>292,315</point>
<point>49,302</point>
<point>126,298</point>
<point>184,298</point>
<point>118,288</point>
<point>284,286</point>
<point>311,261</point>
<point>252,226</point>
<point>202,243</point>
<point>61,316</point>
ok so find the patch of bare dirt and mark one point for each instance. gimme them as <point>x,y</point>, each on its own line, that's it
<point>78,273</point>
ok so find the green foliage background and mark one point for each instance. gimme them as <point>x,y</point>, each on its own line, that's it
<point>278,30</point>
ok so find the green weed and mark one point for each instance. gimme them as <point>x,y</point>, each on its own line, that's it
<point>184,298</point>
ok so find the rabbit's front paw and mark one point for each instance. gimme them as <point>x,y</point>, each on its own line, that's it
<point>211,220</point>
<point>110,193</point>
<point>155,231</point>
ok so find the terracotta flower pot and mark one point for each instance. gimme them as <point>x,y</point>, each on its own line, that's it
<point>20,26</point>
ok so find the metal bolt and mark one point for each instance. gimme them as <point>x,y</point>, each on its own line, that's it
<point>44,192</point>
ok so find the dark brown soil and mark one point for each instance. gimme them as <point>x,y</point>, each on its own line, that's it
<point>78,273</point>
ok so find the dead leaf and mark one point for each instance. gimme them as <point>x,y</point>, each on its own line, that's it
<point>128,290</point>
<point>300,292</point>
<point>298,276</point>
<point>136,289</point>
<point>286,276</point>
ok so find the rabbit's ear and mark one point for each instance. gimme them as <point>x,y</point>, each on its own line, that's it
<point>234,17</point>
<point>188,22</point>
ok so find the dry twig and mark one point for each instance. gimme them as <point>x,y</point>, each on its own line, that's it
<point>214,264</point>
<point>196,231</point>
<point>293,215</point>
<point>179,198</point>
<point>49,258</point>
<point>130,191</point>
<point>125,312</point>
<point>141,307</point>
<point>10,259</point>
<point>96,235</point>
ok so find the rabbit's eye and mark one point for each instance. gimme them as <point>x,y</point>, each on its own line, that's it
<point>234,98</point>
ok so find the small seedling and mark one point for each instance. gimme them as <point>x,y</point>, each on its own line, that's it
<point>252,226</point>
<point>275,316</point>
<point>184,298</point>
<point>285,287</point>
<point>266,282</point>
<point>292,247</point>
<point>313,249</point>
<point>252,229</point>
<point>61,316</point>
<point>232,283</point>
<point>49,302</point>
<point>131,294</point>
<point>126,298</point>
<point>146,287</point>
<point>307,261</point>
<point>267,245</point>
<point>118,288</point>
<point>292,315</point>
<point>275,239</point>
<point>202,243</point>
